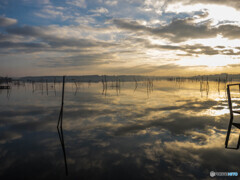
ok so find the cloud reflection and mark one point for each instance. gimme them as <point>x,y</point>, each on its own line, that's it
<point>168,134</point>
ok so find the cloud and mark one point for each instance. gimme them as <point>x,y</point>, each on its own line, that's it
<point>100,10</point>
<point>189,50</point>
<point>177,31</point>
<point>52,12</point>
<point>49,37</point>
<point>26,31</point>
<point>231,3</point>
<point>180,30</point>
<point>155,5</point>
<point>4,21</point>
<point>195,49</point>
<point>96,35</point>
<point>22,45</point>
<point>229,31</point>
<point>83,52</point>
<point>4,37</point>
<point>78,3</point>
<point>111,3</point>
<point>86,20</point>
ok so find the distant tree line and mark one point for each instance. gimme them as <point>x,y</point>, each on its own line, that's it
<point>5,80</point>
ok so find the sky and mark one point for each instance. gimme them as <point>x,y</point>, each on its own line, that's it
<point>132,37</point>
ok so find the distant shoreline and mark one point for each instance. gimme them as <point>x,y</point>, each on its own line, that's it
<point>125,78</point>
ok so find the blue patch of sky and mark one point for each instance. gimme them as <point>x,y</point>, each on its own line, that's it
<point>22,11</point>
<point>25,12</point>
<point>15,9</point>
<point>93,4</point>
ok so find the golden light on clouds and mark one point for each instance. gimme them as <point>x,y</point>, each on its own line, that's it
<point>215,13</point>
<point>209,61</point>
<point>149,37</point>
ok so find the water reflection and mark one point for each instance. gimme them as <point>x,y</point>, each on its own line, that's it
<point>232,112</point>
<point>59,128</point>
<point>176,131</point>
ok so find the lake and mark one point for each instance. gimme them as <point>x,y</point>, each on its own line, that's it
<point>144,130</point>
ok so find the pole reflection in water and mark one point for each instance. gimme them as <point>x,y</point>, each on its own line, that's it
<point>60,130</point>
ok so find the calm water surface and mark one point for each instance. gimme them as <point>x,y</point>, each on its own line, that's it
<point>173,130</point>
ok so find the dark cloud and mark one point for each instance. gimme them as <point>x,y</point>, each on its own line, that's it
<point>130,25</point>
<point>26,31</point>
<point>229,31</point>
<point>180,30</point>
<point>4,21</point>
<point>22,45</point>
<point>42,34</point>
<point>196,49</point>
<point>220,47</point>
<point>232,3</point>
<point>6,37</point>
<point>30,39</point>
<point>177,31</point>
<point>190,50</point>
<point>230,52</point>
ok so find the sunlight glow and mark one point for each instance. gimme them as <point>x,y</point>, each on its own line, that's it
<point>215,12</point>
<point>219,40</point>
<point>210,61</point>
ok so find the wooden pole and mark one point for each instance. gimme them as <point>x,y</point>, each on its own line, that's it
<point>231,115</point>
